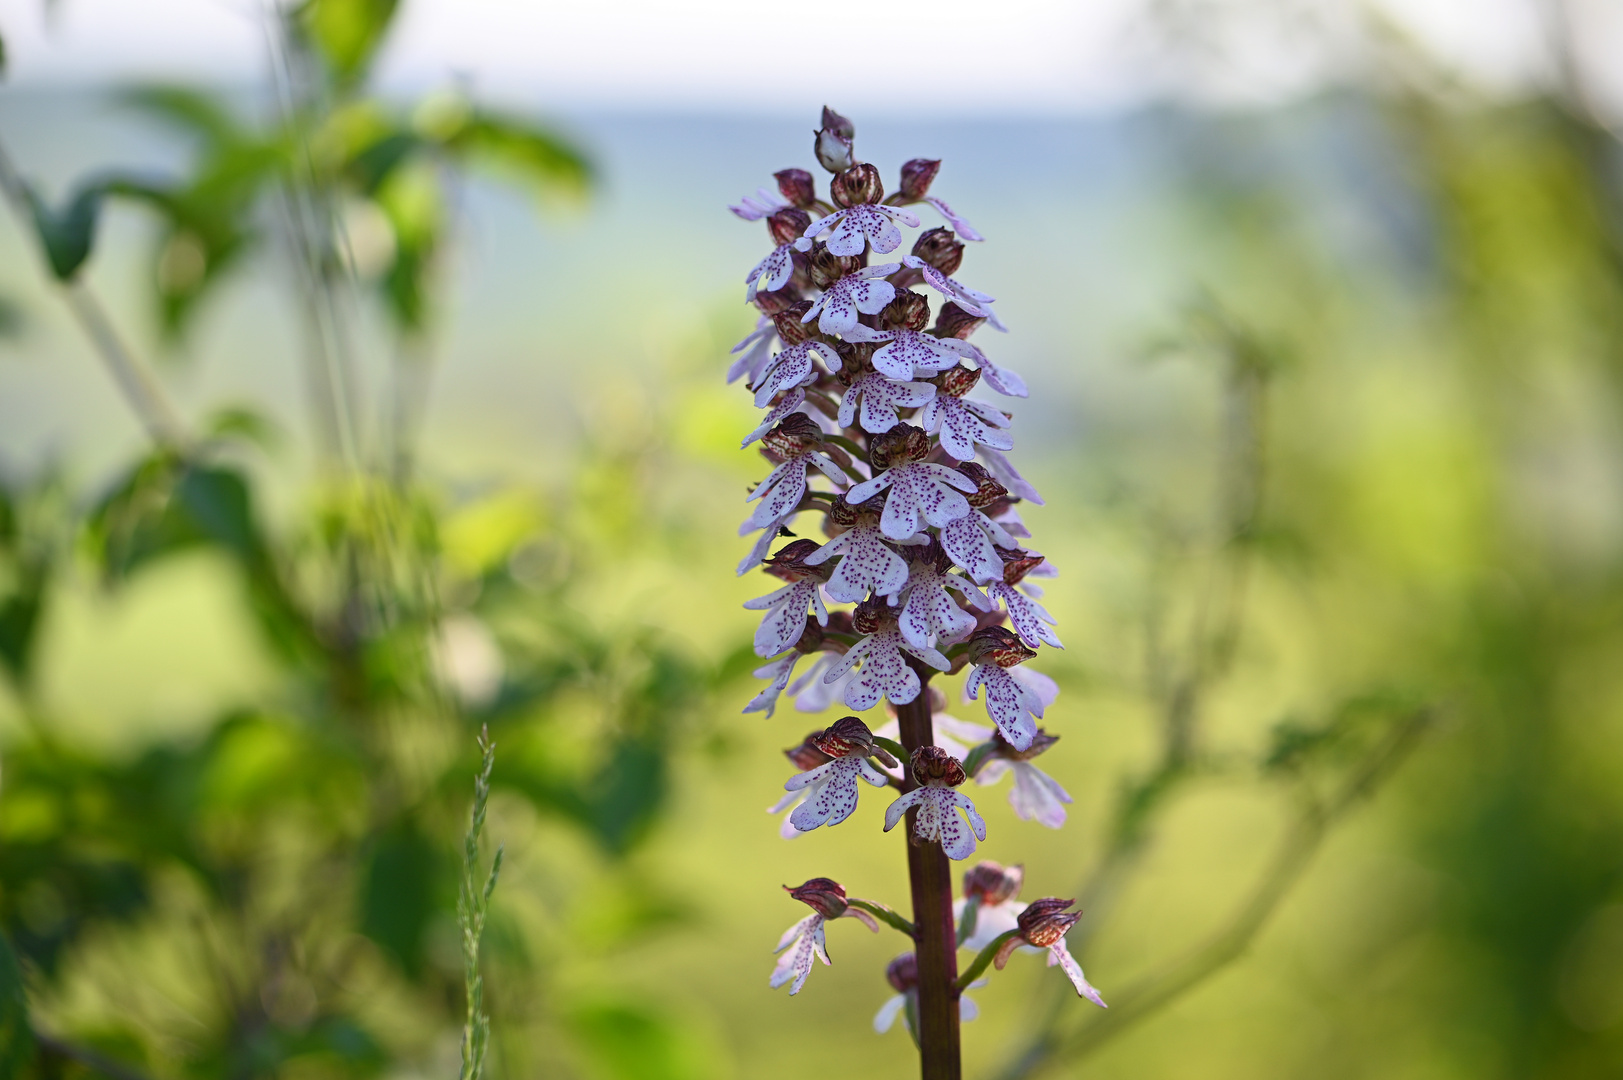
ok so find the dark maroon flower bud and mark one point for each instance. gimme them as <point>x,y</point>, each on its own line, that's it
<point>909,311</point>
<point>839,125</point>
<point>790,328</point>
<point>1039,745</point>
<point>993,883</point>
<point>790,562</point>
<point>1045,921</point>
<point>989,490</point>
<point>823,895</point>
<point>787,225</point>
<point>856,359</point>
<point>842,515</point>
<point>998,645</point>
<point>903,973</point>
<point>873,615</point>
<point>1017,564</point>
<point>940,249</point>
<point>795,434</point>
<point>827,268</point>
<point>953,321</point>
<point>916,177</point>
<point>832,142</point>
<point>856,185</point>
<point>847,735</point>
<point>806,756</point>
<point>901,445</point>
<point>958,381</point>
<point>933,765</point>
<point>798,187</point>
<point>770,303</point>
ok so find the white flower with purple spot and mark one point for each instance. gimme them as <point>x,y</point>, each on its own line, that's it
<point>867,565</point>
<point>771,273</point>
<point>961,423</point>
<point>921,491</point>
<point>785,619</point>
<point>885,674</point>
<point>792,368</point>
<point>971,300</point>
<point>938,804</point>
<point>929,614</point>
<point>855,225</point>
<point>836,310</point>
<point>971,542</point>
<point>910,353</point>
<point>785,486</point>
<point>805,939</point>
<point>880,398</point>
<point>1029,618</point>
<point>791,403</point>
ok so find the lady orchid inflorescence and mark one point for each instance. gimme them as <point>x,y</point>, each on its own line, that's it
<point>864,363</point>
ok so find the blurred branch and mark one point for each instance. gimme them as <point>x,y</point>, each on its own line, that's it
<point>143,392</point>
<point>1179,685</point>
<point>1303,838</point>
<point>472,906</point>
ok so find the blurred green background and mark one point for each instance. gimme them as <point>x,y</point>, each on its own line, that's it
<point>1326,415</point>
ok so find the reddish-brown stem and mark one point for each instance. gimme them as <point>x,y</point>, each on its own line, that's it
<point>937,944</point>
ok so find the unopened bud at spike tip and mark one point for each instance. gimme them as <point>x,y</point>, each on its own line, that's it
<point>787,225</point>
<point>856,185</point>
<point>839,125</point>
<point>823,895</point>
<point>916,177</point>
<point>941,249</point>
<point>798,187</point>
<point>954,322</point>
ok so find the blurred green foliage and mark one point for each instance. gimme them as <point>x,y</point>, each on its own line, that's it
<point>273,895</point>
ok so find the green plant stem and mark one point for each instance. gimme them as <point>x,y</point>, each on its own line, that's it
<point>883,914</point>
<point>139,388</point>
<point>982,960</point>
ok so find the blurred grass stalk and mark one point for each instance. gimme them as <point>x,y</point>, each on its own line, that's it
<point>472,906</point>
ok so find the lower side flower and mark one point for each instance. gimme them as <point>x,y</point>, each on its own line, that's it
<point>938,804</point>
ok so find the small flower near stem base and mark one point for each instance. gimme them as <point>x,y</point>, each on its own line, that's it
<point>1036,796</point>
<point>804,757</point>
<point>785,619</point>
<point>1043,924</point>
<point>831,789</point>
<point>991,899</point>
<point>827,901</point>
<point>938,773</point>
<point>903,976</point>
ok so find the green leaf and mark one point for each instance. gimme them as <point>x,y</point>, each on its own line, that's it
<point>348,32</point>
<point>189,110</point>
<point>16,1037</point>
<point>68,234</point>
<point>402,879</point>
<point>535,155</point>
